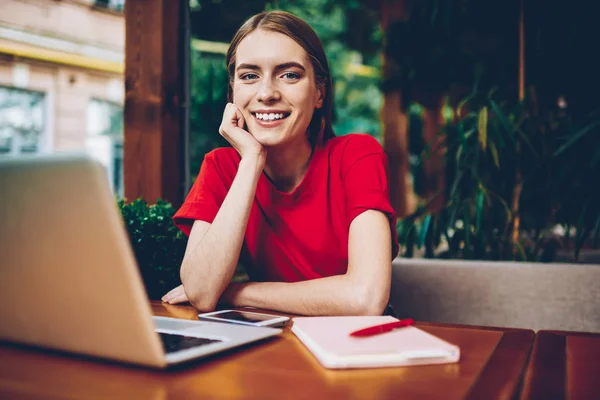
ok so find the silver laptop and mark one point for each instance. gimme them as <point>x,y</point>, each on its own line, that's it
<point>68,277</point>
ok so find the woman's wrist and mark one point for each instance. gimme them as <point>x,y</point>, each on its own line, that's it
<point>230,294</point>
<point>254,162</point>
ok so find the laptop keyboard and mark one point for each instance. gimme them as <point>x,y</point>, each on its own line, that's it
<point>172,343</point>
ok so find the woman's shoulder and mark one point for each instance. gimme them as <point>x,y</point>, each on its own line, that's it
<point>225,160</point>
<point>355,142</point>
<point>222,154</point>
<point>353,146</point>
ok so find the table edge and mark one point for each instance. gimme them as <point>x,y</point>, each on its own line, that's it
<point>499,376</point>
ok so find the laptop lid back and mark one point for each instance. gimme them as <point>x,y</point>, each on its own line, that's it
<point>68,277</point>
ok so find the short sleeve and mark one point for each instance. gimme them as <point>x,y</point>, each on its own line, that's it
<point>365,179</point>
<point>205,198</point>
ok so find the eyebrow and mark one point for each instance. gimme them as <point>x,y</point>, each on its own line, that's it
<point>291,64</point>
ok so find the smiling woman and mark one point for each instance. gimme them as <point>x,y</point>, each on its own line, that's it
<point>307,213</point>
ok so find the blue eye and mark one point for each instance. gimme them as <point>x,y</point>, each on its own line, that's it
<point>291,75</point>
<point>249,76</point>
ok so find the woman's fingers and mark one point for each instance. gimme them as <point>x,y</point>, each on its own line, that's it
<point>231,119</point>
<point>174,293</point>
<point>239,117</point>
<point>232,129</point>
<point>178,299</point>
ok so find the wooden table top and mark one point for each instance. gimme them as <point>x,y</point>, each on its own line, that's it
<point>563,365</point>
<point>491,366</point>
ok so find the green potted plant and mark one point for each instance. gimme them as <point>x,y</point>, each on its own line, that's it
<point>157,244</point>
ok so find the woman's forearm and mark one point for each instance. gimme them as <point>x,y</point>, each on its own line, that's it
<point>363,290</point>
<point>335,295</point>
<point>209,265</point>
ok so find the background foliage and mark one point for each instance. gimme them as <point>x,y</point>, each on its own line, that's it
<point>157,244</point>
<point>559,160</point>
<point>208,96</point>
<point>536,159</point>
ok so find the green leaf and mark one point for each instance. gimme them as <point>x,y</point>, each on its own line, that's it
<point>582,232</point>
<point>458,155</point>
<point>575,137</point>
<point>494,152</point>
<point>482,126</point>
<point>466,100</point>
<point>454,189</point>
<point>479,209</point>
<point>460,130</point>
<point>501,116</point>
<point>467,230</point>
<point>528,142</point>
<point>424,228</point>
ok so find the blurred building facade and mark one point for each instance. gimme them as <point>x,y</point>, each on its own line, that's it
<point>61,79</point>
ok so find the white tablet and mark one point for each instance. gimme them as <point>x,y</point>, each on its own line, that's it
<point>245,318</point>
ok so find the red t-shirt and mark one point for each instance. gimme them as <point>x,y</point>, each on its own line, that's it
<point>300,235</point>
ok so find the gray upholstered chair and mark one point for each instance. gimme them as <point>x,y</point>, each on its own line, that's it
<point>519,295</point>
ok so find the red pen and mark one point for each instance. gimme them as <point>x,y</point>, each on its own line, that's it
<point>377,329</point>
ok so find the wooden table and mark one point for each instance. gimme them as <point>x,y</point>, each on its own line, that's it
<point>563,365</point>
<point>491,366</point>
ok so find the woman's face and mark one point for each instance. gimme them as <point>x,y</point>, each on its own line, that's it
<point>274,88</point>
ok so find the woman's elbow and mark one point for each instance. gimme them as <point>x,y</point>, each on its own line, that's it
<point>372,303</point>
<point>372,308</point>
<point>204,301</point>
<point>203,305</point>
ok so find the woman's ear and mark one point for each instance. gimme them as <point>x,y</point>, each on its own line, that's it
<point>320,96</point>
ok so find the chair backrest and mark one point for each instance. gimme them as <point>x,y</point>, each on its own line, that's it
<point>507,294</point>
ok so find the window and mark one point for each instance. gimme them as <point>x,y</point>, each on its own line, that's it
<point>104,118</point>
<point>22,121</point>
<point>116,5</point>
<point>104,139</point>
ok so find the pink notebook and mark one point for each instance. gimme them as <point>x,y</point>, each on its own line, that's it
<point>328,338</point>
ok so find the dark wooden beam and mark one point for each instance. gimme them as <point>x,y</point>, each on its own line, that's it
<point>154,117</point>
<point>394,119</point>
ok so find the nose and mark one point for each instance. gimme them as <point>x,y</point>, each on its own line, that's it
<point>268,91</point>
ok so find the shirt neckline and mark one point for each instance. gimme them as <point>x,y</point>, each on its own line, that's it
<point>303,189</point>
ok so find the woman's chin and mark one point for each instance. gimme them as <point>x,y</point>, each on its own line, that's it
<point>266,139</point>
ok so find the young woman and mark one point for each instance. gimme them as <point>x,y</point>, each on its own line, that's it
<point>305,212</point>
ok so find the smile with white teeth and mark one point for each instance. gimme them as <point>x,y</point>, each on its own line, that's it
<point>269,116</point>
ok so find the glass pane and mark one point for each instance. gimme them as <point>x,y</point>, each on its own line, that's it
<point>116,5</point>
<point>104,118</point>
<point>22,120</point>
<point>105,139</point>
